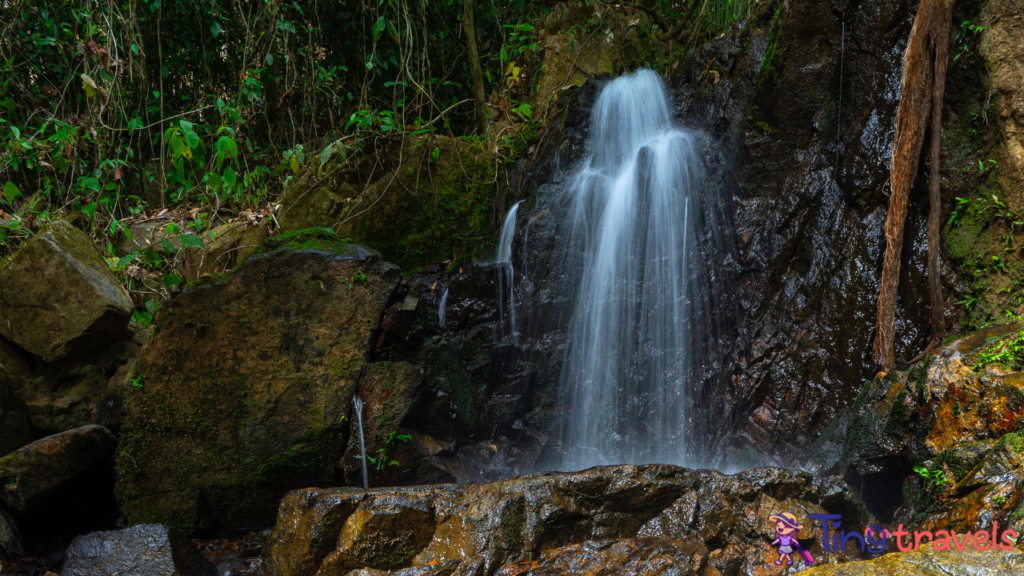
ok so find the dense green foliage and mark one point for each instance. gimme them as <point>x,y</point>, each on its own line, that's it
<point>110,109</point>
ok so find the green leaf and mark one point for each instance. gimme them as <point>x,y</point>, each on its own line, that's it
<point>171,280</point>
<point>152,306</point>
<point>89,85</point>
<point>172,228</point>
<point>326,154</point>
<point>168,247</point>
<point>135,48</point>
<point>191,241</point>
<point>127,259</point>
<point>11,192</point>
<point>435,155</point>
<point>215,29</point>
<point>230,178</point>
<point>186,126</point>
<point>193,140</point>
<point>270,59</point>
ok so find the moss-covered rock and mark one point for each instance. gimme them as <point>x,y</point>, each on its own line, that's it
<point>58,296</point>
<point>433,203</point>
<point>246,388</point>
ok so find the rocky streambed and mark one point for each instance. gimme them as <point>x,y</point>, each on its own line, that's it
<point>223,438</point>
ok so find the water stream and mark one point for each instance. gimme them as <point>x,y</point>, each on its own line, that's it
<point>505,271</point>
<point>639,207</point>
<point>358,402</point>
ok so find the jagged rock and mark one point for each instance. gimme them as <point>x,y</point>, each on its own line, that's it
<point>926,562</point>
<point>59,297</point>
<point>145,550</point>
<point>512,521</point>
<point>247,386</point>
<point>61,484</point>
<point>384,533</point>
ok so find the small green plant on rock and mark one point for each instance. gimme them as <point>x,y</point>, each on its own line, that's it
<point>1007,351</point>
<point>357,278</point>
<point>382,461</point>
<point>935,478</point>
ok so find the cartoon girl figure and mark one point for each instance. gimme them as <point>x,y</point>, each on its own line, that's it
<point>786,527</point>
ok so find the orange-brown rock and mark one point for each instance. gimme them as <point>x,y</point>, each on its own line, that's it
<point>642,515</point>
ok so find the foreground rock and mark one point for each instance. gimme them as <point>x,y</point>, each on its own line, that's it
<point>146,550</point>
<point>927,562</point>
<point>673,512</point>
<point>937,446</point>
<point>62,484</point>
<point>246,389</point>
<point>59,296</point>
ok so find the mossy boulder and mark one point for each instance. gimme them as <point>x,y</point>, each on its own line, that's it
<point>432,203</point>
<point>246,388</point>
<point>58,297</point>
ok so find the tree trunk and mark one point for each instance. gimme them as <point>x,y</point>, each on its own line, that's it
<point>475,71</point>
<point>934,186</point>
<point>919,94</point>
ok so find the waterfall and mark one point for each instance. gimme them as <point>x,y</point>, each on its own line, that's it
<point>362,443</point>
<point>504,262</point>
<point>440,308</point>
<point>639,208</point>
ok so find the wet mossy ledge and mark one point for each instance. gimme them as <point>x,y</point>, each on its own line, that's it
<point>430,200</point>
<point>246,389</point>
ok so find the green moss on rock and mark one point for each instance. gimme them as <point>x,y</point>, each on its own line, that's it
<point>241,394</point>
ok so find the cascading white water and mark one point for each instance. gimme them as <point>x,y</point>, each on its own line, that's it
<point>637,214</point>
<point>504,262</point>
<point>441,308</point>
<point>358,402</point>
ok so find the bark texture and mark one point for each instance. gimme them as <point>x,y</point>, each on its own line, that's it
<point>475,71</point>
<point>918,92</point>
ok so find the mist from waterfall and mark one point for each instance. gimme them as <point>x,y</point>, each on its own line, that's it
<point>640,208</point>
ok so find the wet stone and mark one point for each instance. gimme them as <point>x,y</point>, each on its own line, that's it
<point>145,550</point>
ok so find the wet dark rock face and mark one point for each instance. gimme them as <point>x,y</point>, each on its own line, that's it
<point>805,183</point>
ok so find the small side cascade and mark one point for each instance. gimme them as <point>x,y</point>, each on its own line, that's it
<point>358,402</point>
<point>505,272</point>
<point>441,308</point>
